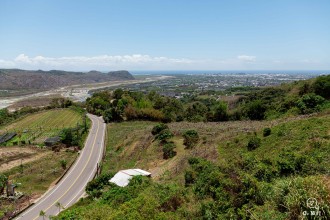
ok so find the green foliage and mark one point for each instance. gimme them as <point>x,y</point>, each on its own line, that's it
<point>158,128</point>
<point>191,138</point>
<point>310,103</point>
<point>112,115</point>
<point>118,93</point>
<point>141,199</point>
<point>266,132</point>
<point>322,86</point>
<point>94,188</point>
<point>63,164</point>
<point>3,181</point>
<point>254,143</point>
<point>60,103</point>
<point>255,110</point>
<point>168,150</point>
<point>164,135</point>
<point>196,112</point>
<point>221,113</point>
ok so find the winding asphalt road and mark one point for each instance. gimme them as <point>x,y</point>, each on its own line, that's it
<point>72,186</point>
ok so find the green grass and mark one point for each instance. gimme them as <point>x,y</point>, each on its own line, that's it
<point>231,182</point>
<point>34,178</point>
<point>119,137</point>
<point>39,126</point>
<point>299,136</point>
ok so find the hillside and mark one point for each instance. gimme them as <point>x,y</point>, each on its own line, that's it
<point>220,178</point>
<point>262,158</point>
<point>16,79</point>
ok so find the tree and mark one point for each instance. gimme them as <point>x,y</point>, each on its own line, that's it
<point>118,93</point>
<point>255,110</point>
<point>59,206</point>
<point>196,112</point>
<point>111,114</point>
<point>164,135</point>
<point>168,150</point>
<point>191,138</point>
<point>42,214</point>
<point>158,128</point>
<point>310,103</point>
<point>220,113</point>
<point>322,86</point>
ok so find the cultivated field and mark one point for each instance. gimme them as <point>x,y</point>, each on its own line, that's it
<point>37,127</point>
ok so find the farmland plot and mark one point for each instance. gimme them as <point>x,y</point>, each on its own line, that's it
<point>37,127</point>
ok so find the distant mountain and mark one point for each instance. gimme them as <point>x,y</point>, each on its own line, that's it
<point>17,79</point>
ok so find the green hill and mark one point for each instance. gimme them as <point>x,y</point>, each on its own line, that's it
<point>220,177</point>
<point>214,162</point>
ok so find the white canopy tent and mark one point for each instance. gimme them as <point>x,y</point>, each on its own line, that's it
<point>123,177</point>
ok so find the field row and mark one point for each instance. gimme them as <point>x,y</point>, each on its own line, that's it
<point>35,128</point>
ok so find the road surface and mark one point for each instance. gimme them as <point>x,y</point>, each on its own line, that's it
<point>72,186</point>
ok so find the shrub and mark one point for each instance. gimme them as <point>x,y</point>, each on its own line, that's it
<point>164,135</point>
<point>63,164</point>
<point>191,138</point>
<point>254,143</point>
<point>309,103</point>
<point>267,132</point>
<point>168,150</point>
<point>255,110</point>
<point>95,186</point>
<point>189,177</point>
<point>221,112</point>
<point>158,128</point>
<point>322,86</point>
<point>3,181</point>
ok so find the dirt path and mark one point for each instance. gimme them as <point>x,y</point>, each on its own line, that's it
<point>15,156</point>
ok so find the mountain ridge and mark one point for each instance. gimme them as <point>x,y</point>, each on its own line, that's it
<point>18,79</point>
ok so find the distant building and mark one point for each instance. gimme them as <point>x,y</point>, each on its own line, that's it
<point>123,177</point>
<point>49,142</point>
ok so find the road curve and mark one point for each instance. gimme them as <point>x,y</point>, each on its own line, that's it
<point>73,184</point>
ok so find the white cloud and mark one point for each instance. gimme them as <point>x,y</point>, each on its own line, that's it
<point>105,60</point>
<point>6,64</point>
<point>135,61</point>
<point>247,58</point>
<point>147,62</point>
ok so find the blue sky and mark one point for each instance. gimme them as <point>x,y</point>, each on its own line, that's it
<point>165,35</point>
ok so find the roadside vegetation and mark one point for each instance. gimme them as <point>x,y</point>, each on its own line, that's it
<point>244,167</point>
<point>26,162</point>
<point>302,97</point>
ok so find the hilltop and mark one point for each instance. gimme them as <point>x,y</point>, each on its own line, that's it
<point>17,79</point>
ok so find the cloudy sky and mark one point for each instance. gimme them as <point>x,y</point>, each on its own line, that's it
<point>165,35</point>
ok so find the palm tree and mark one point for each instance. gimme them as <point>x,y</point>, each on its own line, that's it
<point>59,206</point>
<point>42,214</point>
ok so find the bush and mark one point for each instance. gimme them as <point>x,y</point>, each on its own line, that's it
<point>95,186</point>
<point>191,138</point>
<point>189,177</point>
<point>254,143</point>
<point>322,86</point>
<point>164,135</point>
<point>310,103</point>
<point>3,181</point>
<point>158,128</point>
<point>168,150</point>
<point>267,132</point>
<point>63,164</point>
<point>255,110</point>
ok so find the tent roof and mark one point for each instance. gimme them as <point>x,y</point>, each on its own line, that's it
<point>123,177</point>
